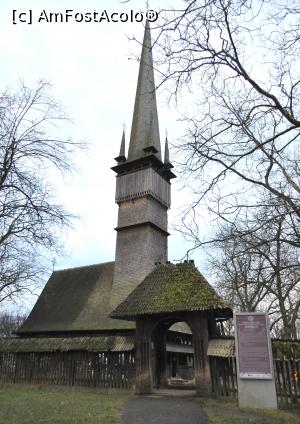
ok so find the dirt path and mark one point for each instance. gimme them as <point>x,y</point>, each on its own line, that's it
<point>154,409</point>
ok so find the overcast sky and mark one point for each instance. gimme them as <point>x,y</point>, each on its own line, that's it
<point>92,76</point>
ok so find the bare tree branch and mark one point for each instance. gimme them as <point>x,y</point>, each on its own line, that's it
<point>30,220</point>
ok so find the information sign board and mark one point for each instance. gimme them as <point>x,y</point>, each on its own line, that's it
<point>253,346</point>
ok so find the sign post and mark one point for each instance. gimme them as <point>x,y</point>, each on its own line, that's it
<point>255,374</point>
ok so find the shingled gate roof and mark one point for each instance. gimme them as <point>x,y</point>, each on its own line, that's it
<point>75,299</point>
<point>172,288</point>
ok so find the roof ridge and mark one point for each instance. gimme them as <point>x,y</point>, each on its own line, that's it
<point>83,266</point>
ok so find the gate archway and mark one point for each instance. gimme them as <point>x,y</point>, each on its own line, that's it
<point>169,294</point>
<point>172,359</point>
<point>148,327</point>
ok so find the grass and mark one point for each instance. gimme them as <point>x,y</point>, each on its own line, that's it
<point>35,404</point>
<point>226,411</point>
<point>32,404</point>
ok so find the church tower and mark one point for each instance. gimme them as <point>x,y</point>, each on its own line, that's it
<point>142,188</point>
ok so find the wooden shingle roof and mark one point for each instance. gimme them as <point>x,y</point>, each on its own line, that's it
<point>76,299</point>
<point>65,344</point>
<point>172,288</point>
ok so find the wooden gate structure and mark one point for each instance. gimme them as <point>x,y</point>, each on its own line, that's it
<point>170,294</point>
<point>150,335</point>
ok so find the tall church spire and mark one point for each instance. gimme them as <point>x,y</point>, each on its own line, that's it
<point>144,137</point>
<point>143,189</point>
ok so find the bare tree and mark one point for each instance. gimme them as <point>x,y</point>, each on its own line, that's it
<point>10,322</point>
<point>30,220</point>
<point>240,277</point>
<point>241,57</point>
<point>257,270</point>
<point>240,153</point>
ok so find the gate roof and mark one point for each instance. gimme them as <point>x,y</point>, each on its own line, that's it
<point>172,288</point>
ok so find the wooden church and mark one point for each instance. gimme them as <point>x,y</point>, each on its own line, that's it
<point>136,322</point>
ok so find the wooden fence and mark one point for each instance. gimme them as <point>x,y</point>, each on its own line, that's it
<point>223,376</point>
<point>287,378</point>
<point>73,368</point>
<point>117,370</point>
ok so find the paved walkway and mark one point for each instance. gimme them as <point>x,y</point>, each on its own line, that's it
<point>161,409</point>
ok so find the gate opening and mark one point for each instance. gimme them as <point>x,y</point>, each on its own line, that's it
<point>173,356</point>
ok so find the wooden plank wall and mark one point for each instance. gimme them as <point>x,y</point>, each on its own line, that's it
<point>78,368</point>
<point>142,183</point>
<point>287,378</point>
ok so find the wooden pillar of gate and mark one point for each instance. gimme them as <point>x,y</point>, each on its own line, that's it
<point>159,341</point>
<point>143,356</point>
<point>198,322</point>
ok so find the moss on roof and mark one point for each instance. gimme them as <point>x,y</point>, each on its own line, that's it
<point>171,288</point>
<point>75,299</point>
